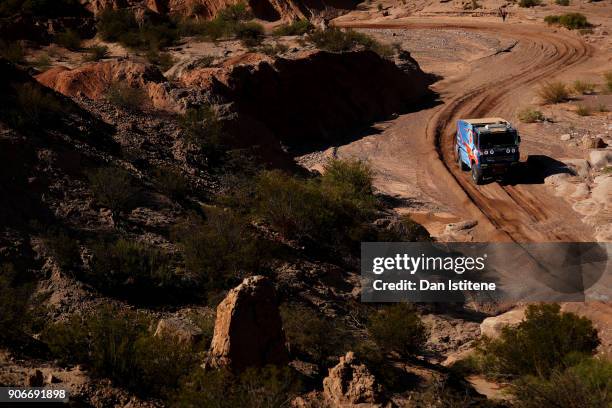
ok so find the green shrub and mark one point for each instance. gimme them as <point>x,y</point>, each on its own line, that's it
<point>554,92</point>
<point>541,343</point>
<point>583,110</point>
<point>583,87</point>
<point>236,12</point>
<point>12,51</point>
<point>117,344</point>
<point>273,50</point>
<point>587,384</point>
<point>42,62</point>
<point>171,182</point>
<point>571,21</point>
<point>97,53</point>
<point>113,188</point>
<point>250,33</point>
<point>310,334</point>
<point>112,24</point>
<point>163,60</point>
<point>64,249</point>
<point>398,328</point>
<point>69,39</point>
<point>297,27</point>
<point>335,40</point>
<point>529,3</point>
<point>15,294</point>
<point>332,210</point>
<point>562,2</point>
<point>530,115</point>
<point>203,128</point>
<point>34,106</point>
<point>122,95</point>
<point>219,250</point>
<point>608,78</point>
<point>270,387</point>
<point>132,270</point>
<point>405,230</point>
<point>121,26</point>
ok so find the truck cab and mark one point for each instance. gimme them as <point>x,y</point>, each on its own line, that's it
<point>487,147</point>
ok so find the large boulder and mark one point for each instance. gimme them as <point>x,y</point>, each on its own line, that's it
<point>350,384</point>
<point>600,158</point>
<point>180,330</point>
<point>492,326</point>
<point>248,328</point>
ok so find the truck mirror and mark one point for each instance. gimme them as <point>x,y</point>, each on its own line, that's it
<point>519,139</point>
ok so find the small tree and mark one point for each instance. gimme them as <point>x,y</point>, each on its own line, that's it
<point>588,384</point>
<point>540,343</point>
<point>398,328</point>
<point>113,188</point>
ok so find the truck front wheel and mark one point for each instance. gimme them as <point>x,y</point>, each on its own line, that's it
<point>476,174</point>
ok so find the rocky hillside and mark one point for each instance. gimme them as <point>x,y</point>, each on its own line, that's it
<point>269,10</point>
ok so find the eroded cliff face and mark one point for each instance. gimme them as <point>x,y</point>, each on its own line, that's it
<point>269,10</point>
<point>310,99</point>
<point>318,98</point>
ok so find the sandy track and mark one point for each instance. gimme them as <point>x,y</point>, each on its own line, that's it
<point>522,212</point>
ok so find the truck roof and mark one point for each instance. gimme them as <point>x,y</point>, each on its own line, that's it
<point>486,121</point>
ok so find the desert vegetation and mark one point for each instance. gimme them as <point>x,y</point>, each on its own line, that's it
<point>125,96</point>
<point>571,21</point>
<point>529,3</point>
<point>338,40</point>
<point>234,21</point>
<point>119,345</point>
<point>553,92</point>
<point>608,80</point>
<point>297,27</point>
<point>121,26</point>
<point>583,87</point>
<point>530,115</point>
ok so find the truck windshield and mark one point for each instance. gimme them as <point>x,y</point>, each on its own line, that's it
<point>497,139</point>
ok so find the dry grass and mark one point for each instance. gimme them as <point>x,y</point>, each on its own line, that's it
<point>583,87</point>
<point>553,92</point>
<point>582,110</point>
<point>530,115</point>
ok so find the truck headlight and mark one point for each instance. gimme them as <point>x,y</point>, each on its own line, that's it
<point>513,150</point>
<point>507,150</point>
<point>485,152</point>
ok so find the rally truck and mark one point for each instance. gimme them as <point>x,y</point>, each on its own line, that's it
<point>489,147</point>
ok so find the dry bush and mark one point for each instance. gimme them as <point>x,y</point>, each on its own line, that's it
<point>122,95</point>
<point>583,87</point>
<point>113,188</point>
<point>553,92</point>
<point>583,110</point>
<point>608,78</point>
<point>530,115</point>
<point>398,328</point>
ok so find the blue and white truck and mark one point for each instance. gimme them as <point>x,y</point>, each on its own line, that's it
<point>487,147</point>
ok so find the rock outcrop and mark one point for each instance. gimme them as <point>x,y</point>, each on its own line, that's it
<point>350,384</point>
<point>93,80</point>
<point>180,330</point>
<point>269,10</point>
<point>283,96</point>
<point>492,326</point>
<point>248,328</point>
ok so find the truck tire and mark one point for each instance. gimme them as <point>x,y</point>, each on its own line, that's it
<point>476,175</point>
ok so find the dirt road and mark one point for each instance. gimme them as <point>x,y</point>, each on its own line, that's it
<point>417,149</point>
